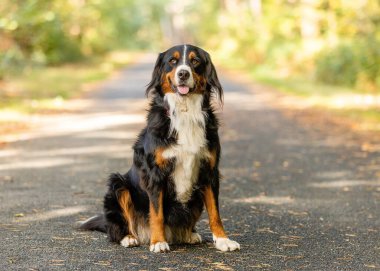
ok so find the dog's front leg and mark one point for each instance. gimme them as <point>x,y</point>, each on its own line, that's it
<point>219,236</point>
<point>156,221</point>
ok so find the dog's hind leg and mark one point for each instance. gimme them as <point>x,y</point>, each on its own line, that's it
<point>126,204</point>
<point>185,236</point>
<point>195,238</point>
<point>120,213</point>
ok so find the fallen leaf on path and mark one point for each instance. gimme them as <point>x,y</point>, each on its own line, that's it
<point>291,258</point>
<point>103,263</point>
<point>221,266</point>
<point>57,263</point>
<point>347,258</point>
<point>235,234</point>
<point>372,266</point>
<point>62,238</point>
<point>257,164</point>
<point>368,147</point>
<point>291,237</point>
<point>263,199</point>
<point>6,178</point>
<point>297,213</point>
<point>266,230</point>
<point>289,245</point>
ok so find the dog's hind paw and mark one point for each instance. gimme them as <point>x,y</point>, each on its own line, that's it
<point>159,247</point>
<point>129,241</point>
<point>195,238</point>
<point>225,244</point>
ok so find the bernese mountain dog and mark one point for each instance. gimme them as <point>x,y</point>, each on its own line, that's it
<point>175,171</point>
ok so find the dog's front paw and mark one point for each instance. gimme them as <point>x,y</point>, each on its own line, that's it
<point>129,241</point>
<point>195,238</point>
<point>159,247</point>
<point>225,244</point>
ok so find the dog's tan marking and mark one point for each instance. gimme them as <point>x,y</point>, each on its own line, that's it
<point>160,160</point>
<point>177,55</point>
<point>216,225</point>
<point>156,221</point>
<point>192,55</point>
<point>212,158</point>
<point>166,79</point>
<point>126,205</point>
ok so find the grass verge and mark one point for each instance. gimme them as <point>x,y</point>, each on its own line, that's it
<point>358,106</point>
<point>43,88</point>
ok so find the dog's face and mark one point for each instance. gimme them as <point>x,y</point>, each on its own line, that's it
<point>185,70</point>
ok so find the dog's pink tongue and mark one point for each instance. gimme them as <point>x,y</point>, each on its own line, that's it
<point>183,89</point>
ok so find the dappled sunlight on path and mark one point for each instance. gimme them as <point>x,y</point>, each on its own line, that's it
<point>290,191</point>
<point>57,213</point>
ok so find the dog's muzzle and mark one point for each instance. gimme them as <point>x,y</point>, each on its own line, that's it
<point>184,79</point>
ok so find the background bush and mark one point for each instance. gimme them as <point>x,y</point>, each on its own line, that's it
<point>337,41</point>
<point>52,32</point>
<point>339,65</point>
<point>352,64</point>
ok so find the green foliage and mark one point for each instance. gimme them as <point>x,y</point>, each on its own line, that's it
<point>353,64</point>
<point>40,88</point>
<point>338,41</point>
<point>339,65</point>
<point>51,32</point>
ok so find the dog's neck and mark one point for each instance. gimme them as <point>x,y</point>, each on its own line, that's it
<point>187,119</point>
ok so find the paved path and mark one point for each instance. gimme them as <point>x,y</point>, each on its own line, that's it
<point>295,198</point>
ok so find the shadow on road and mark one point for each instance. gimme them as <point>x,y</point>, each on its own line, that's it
<point>295,198</point>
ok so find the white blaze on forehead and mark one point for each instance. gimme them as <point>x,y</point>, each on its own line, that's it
<point>184,54</point>
<point>190,81</point>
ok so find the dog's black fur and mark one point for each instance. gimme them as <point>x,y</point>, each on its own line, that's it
<point>147,178</point>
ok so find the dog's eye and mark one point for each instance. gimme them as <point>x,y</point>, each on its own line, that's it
<point>173,61</point>
<point>195,61</point>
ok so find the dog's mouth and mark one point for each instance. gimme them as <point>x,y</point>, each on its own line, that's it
<point>182,89</point>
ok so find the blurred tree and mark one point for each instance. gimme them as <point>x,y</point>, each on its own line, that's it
<point>332,37</point>
<point>58,31</point>
<point>336,40</point>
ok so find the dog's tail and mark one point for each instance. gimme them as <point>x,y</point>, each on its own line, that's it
<point>116,182</point>
<point>95,223</point>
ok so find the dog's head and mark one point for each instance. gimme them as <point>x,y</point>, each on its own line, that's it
<point>185,70</point>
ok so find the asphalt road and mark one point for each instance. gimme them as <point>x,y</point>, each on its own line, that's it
<point>294,197</point>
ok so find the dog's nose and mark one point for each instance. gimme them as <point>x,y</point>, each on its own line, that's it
<point>183,74</point>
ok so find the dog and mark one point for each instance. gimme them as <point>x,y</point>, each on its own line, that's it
<point>175,171</point>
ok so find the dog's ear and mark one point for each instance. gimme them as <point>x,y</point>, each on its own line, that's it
<point>212,79</point>
<point>155,82</point>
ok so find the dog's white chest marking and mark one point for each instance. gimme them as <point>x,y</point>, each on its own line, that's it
<point>188,122</point>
